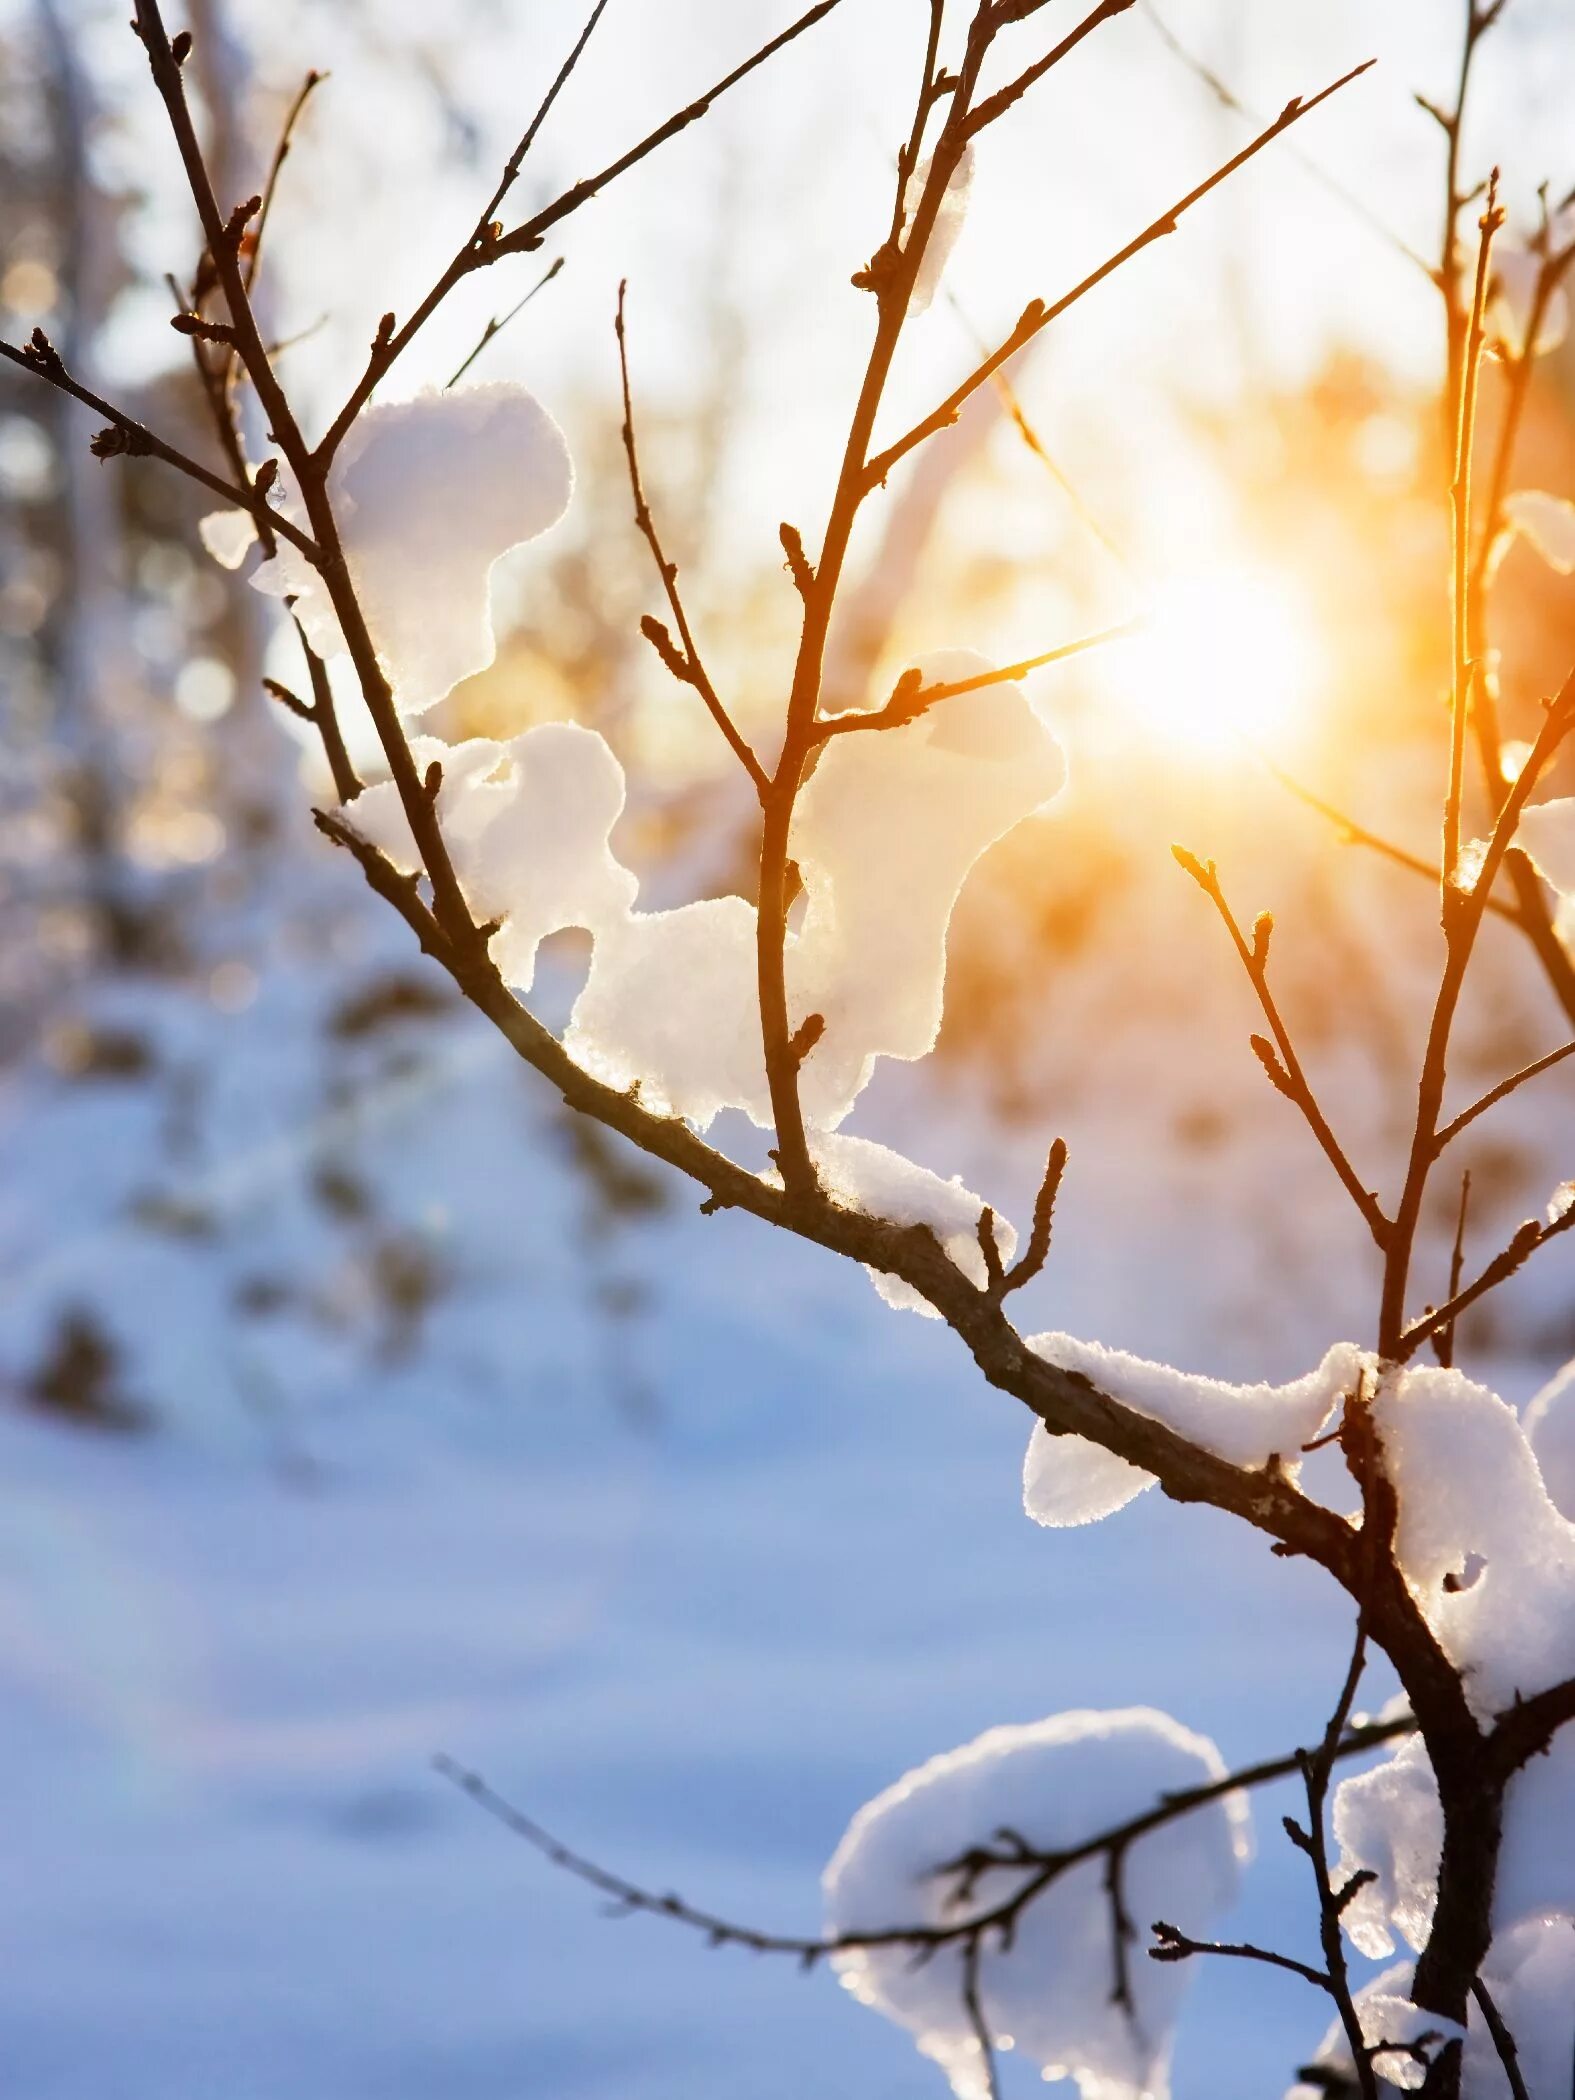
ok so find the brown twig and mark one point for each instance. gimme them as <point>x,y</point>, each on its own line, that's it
<point>911,698</point>
<point>1530,1239</point>
<point>682,660</point>
<point>1444,1339</point>
<point>499,322</point>
<point>1279,1059</point>
<point>1500,1092</point>
<point>489,244</point>
<point>1037,316</point>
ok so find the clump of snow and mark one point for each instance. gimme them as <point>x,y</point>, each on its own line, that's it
<point>527,825</point>
<point>1548,522</point>
<point>1512,292</point>
<point>1530,1974</point>
<point>1068,1480</point>
<point>948,225</point>
<point>1389,1823</point>
<point>1488,1557</point>
<point>228,535</point>
<point>1550,1431</point>
<point>886,830</point>
<point>1546,833</point>
<point>872,1178</point>
<point>427,493</point>
<point>1384,2009</point>
<point>1054,1783</point>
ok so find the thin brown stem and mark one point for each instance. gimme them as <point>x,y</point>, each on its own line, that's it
<point>1279,1060</point>
<point>684,661</point>
<point>1501,1092</point>
<point>911,698</point>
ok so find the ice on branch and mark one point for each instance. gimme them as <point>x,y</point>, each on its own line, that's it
<point>1488,1557</point>
<point>1511,298</point>
<point>1049,1992</point>
<point>1386,2014</point>
<point>1389,1824</point>
<point>948,225</point>
<point>428,494</point>
<point>1548,522</point>
<point>1068,1480</point>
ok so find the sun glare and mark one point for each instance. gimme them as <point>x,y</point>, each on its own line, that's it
<point>1222,658</point>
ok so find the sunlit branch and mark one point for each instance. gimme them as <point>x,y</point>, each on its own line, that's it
<point>995,106</point>
<point>1498,1093</point>
<point>1227,97</point>
<point>281,154</point>
<point>1444,1339</point>
<point>1037,316</point>
<point>1284,1069</point>
<point>911,698</point>
<point>1466,671</point>
<point>1529,1240</point>
<point>489,244</point>
<point>683,658</point>
<point>1503,2040</point>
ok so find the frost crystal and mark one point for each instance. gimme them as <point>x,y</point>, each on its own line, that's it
<point>1548,522</point>
<point>1487,1556</point>
<point>1068,1480</point>
<point>428,493</point>
<point>1054,1784</point>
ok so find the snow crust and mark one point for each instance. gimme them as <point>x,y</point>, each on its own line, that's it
<point>428,493</point>
<point>885,1184</point>
<point>1548,522</point>
<point>1068,1480</point>
<point>1055,1783</point>
<point>1488,1557</point>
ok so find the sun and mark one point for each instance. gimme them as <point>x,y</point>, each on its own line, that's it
<point>1223,658</point>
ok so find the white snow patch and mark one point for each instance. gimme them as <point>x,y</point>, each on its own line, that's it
<point>1530,1972</point>
<point>884,1184</point>
<point>1487,1556</point>
<point>1055,1783</point>
<point>1069,1480</point>
<point>228,536</point>
<point>428,493</point>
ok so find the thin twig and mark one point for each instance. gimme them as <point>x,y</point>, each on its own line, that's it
<point>1498,1093</point>
<point>1174,1945</point>
<point>1285,1069</point>
<point>499,322</point>
<point>683,660</point>
<point>488,244</point>
<point>1037,316</point>
<point>1444,1340</point>
<point>1531,1238</point>
<point>281,154</point>
<point>1503,2040</point>
<point>135,441</point>
<point>911,698</point>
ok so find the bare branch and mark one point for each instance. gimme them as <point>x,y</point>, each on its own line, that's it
<point>1500,1092</point>
<point>910,698</point>
<point>1035,1254</point>
<point>281,154</point>
<point>1503,2040</point>
<point>1528,1240</point>
<point>1037,316</point>
<point>684,662</point>
<point>995,106</point>
<point>499,322</point>
<point>135,441</point>
<point>1286,1072</point>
